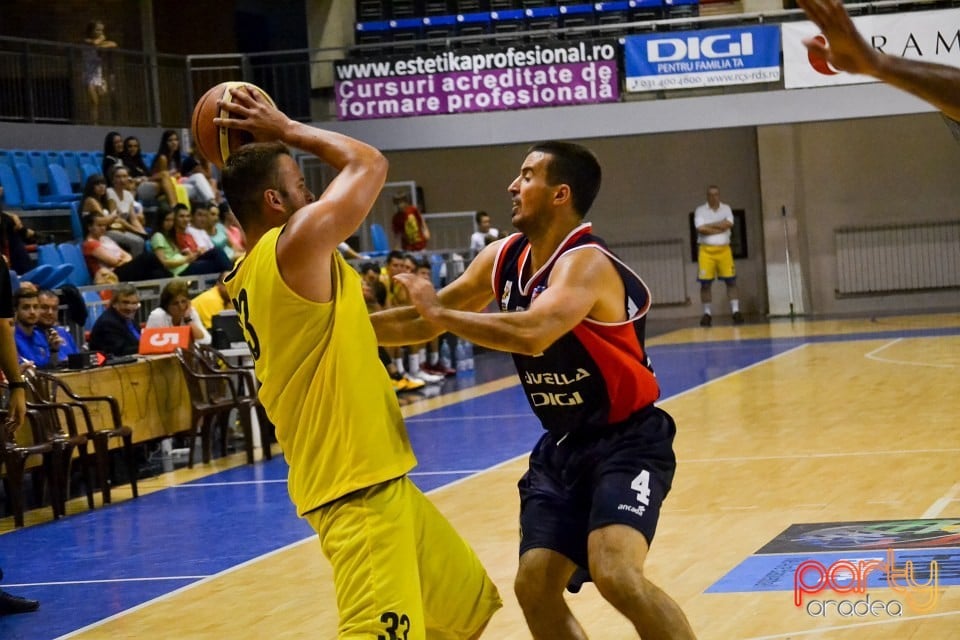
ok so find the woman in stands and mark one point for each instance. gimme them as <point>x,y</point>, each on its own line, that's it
<point>218,233</point>
<point>95,202</point>
<point>167,165</point>
<point>175,310</point>
<point>109,263</point>
<point>177,262</point>
<point>148,187</point>
<point>124,198</point>
<point>112,152</point>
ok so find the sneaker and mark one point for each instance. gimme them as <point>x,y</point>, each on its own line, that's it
<point>406,383</point>
<point>440,370</point>
<point>10,604</point>
<point>737,317</point>
<point>426,376</point>
<point>706,320</point>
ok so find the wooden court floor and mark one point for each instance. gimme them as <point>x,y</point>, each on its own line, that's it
<point>852,421</point>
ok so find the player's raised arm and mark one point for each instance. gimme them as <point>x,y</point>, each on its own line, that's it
<point>314,226</point>
<point>847,50</point>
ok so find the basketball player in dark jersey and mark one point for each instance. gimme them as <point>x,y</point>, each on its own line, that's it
<point>573,318</point>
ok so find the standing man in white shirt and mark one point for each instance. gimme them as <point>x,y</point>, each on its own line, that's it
<point>484,235</point>
<point>713,221</point>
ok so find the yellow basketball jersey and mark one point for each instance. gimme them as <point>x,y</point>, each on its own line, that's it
<point>322,384</point>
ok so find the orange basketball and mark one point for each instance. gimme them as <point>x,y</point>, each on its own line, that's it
<point>217,143</point>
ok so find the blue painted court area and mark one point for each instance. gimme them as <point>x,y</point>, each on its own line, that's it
<point>99,563</point>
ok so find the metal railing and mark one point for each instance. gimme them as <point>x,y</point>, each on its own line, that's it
<point>42,81</point>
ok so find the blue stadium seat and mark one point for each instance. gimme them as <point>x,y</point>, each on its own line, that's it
<point>87,156</point>
<point>58,271</point>
<point>29,194</point>
<point>72,254</point>
<point>38,164</point>
<point>76,224</point>
<point>72,164</point>
<point>148,158</point>
<point>6,158</point>
<point>89,170</point>
<point>60,189</point>
<point>53,157</point>
<point>95,306</point>
<point>378,238</point>
<point>11,188</point>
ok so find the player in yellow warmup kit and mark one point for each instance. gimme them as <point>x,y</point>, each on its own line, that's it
<point>400,569</point>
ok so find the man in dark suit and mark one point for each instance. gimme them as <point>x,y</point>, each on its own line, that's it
<point>117,332</point>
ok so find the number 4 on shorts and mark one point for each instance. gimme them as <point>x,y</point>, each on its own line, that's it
<point>641,484</point>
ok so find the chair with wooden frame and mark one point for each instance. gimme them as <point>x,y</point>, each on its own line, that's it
<point>49,388</point>
<point>247,386</point>
<point>213,395</point>
<point>53,426</point>
<point>14,459</point>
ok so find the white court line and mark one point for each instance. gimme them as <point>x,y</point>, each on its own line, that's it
<point>110,581</point>
<point>809,632</point>
<point>804,456</point>
<point>173,593</point>
<point>733,373</point>
<point>499,416</point>
<point>873,356</point>
<point>941,503</point>
<point>194,485</point>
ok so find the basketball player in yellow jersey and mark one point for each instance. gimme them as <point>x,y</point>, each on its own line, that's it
<point>400,570</point>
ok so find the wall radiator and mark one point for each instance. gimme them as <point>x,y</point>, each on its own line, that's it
<point>661,264</point>
<point>897,258</point>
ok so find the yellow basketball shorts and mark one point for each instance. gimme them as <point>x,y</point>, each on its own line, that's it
<point>400,570</point>
<point>714,262</point>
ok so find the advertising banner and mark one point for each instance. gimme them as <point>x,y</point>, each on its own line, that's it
<point>491,80</point>
<point>933,36</point>
<point>713,57</point>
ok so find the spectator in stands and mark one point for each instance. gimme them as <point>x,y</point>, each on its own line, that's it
<point>208,221</point>
<point>60,341</point>
<point>32,344</point>
<point>166,167</point>
<point>96,203</point>
<point>374,291</point>
<point>408,224</point>
<point>175,311</point>
<point>237,237</point>
<point>429,352</point>
<point>123,199</point>
<point>147,187</point>
<point>196,229</point>
<point>109,263</point>
<point>94,77</point>
<point>410,366</point>
<point>179,262</point>
<point>191,236</point>
<point>116,332</point>
<point>212,301</point>
<point>195,163</point>
<point>484,235</point>
<point>14,238</point>
<point>112,152</point>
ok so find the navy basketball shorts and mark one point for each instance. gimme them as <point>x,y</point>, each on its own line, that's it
<point>586,481</point>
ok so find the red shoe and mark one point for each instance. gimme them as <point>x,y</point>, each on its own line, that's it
<point>439,370</point>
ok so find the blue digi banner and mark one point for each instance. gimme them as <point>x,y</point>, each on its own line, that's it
<point>692,59</point>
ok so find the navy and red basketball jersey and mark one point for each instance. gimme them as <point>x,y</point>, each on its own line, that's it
<point>598,373</point>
